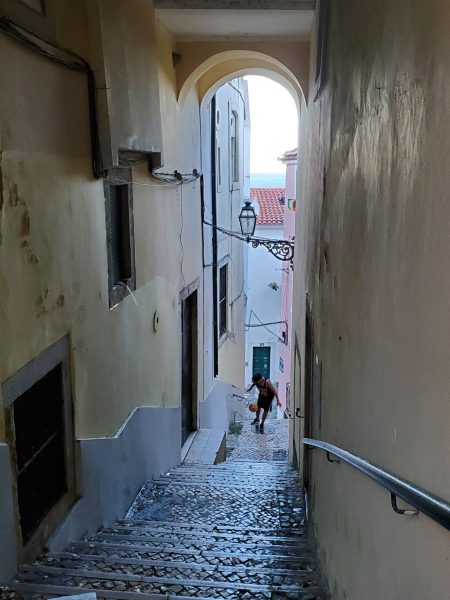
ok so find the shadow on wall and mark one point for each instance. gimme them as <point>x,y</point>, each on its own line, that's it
<point>114,469</point>
<point>225,404</point>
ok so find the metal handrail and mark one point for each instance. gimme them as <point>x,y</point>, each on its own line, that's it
<point>434,507</point>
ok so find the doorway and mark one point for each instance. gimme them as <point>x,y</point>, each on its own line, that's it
<point>309,396</point>
<point>189,320</point>
<point>261,361</point>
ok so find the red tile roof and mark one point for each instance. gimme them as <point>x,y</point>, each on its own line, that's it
<point>289,155</point>
<point>271,211</point>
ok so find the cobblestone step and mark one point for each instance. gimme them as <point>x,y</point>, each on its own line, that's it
<point>177,569</point>
<point>232,531</point>
<point>177,553</point>
<point>267,485</point>
<point>199,547</point>
<point>126,581</point>
<point>67,558</point>
<point>185,525</point>
<point>170,529</point>
<point>188,539</point>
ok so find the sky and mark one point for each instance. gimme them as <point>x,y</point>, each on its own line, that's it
<point>274,119</point>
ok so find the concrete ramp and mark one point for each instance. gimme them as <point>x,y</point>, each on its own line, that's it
<point>207,448</point>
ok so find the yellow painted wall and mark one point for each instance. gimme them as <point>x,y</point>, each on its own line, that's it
<point>53,262</point>
<point>373,255</point>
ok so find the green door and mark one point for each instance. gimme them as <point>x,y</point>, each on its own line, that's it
<point>261,361</point>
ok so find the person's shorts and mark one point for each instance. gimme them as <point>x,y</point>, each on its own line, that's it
<point>264,403</point>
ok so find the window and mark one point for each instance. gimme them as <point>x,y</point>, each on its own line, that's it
<point>39,430</point>
<point>223,299</point>
<point>120,240</point>
<point>40,450</point>
<point>219,170</point>
<point>234,147</point>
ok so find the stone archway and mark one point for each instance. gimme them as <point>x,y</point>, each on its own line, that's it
<point>207,66</point>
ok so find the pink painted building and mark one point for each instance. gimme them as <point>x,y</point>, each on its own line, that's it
<point>284,377</point>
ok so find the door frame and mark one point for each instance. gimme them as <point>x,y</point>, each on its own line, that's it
<point>190,294</point>
<point>308,407</point>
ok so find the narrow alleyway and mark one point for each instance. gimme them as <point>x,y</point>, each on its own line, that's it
<point>233,530</point>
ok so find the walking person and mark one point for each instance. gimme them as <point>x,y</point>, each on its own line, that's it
<point>267,392</point>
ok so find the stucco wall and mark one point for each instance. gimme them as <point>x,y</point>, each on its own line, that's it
<point>53,262</point>
<point>373,255</point>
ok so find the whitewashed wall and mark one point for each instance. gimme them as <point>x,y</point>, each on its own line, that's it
<point>263,268</point>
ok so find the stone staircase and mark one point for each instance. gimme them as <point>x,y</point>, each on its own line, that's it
<point>234,531</point>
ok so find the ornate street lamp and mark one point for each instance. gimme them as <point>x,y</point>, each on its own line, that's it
<point>281,249</point>
<point>247,220</point>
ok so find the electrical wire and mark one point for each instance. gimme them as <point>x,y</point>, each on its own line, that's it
<point>252,312</point>
<point>176,176</point>
<point>150,185</point>
<point>71,61</point>
<point>263,324</point>
<point>77,63</point>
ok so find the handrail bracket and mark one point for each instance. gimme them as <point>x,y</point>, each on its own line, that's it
<point>401,511</point>
<point>331,460</point>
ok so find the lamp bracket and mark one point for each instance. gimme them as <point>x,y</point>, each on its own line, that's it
<point>281,249</point>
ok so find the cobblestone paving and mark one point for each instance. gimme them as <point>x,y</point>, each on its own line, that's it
<point>232,531</point>
<point>252,445</point>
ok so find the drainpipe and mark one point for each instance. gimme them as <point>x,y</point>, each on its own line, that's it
<point>214,234</point>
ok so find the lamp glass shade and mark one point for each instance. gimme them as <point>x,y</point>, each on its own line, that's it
<point>247,219</point>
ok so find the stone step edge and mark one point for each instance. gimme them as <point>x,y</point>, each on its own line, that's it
<point>33,570</point>
<point>40,588</point>
<point>208,554</point>
<point>199,532</point>
<point>32,589</point>
<point>163,564</point>
<point>205,525</point>
<point>279,486</point>
<point>169,541</point>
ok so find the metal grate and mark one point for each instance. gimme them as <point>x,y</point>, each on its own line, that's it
<point>40,450</point>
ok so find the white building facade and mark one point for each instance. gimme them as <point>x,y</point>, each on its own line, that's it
<point>264,288</point>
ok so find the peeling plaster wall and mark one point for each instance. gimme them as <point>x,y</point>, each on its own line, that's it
<point>53,261</point>
<point>54,268</point>
<point>373,255</point>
